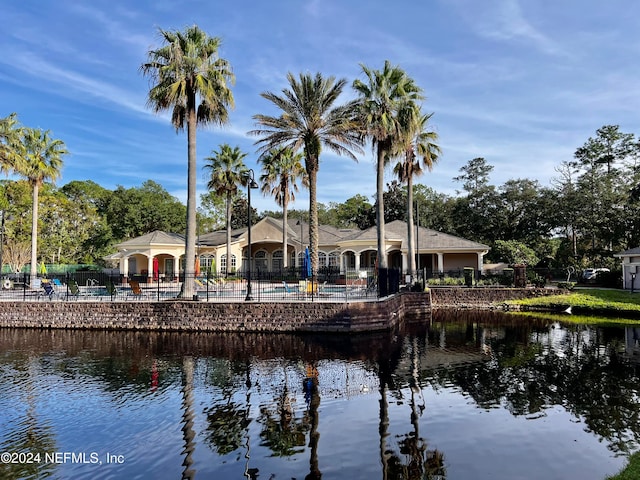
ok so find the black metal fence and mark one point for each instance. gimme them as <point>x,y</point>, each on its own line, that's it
<point>287,285</point>
<point>263,286</point>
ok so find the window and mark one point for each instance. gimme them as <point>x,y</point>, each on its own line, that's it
<point>322,259</point>
<point>223,263</point>
<point>206,263</point>
<point>277,260</point>
<point>334,257</point>
<point>260,260</point>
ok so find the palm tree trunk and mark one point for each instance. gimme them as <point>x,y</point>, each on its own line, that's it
<point>313,219</point>
<point>410,233</point>
<point>34,236</point>
<point>226,273</point>
<point>382,259</point>
<point>285,225</point>
<point>190,238</point>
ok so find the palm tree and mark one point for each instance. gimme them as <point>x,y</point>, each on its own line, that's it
<point>419,149</point>
<point>281,171</point>
<point>383,99</point>
<point>192,81</point>
<point>10,136</point>
<point>309,121</point>
<point>38,159</point>
<point>228,171</point>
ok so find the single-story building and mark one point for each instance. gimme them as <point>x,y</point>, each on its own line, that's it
<point>161,255</point>
<point>630,268</point>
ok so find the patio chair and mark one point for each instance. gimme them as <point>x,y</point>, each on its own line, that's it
<point>49,290</point>
<point>136,290</point>
<point>287,290</point>
<point>74,289</point>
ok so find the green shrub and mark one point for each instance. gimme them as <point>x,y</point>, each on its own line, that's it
<point>538,281</point>
<point>567,285</point>
<point>446,281</point>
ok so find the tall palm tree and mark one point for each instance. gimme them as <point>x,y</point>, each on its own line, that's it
<point>310,121</point>
<point>190,79</point>
<point>419,150</point>
<point>39,159</point>
<point>228,171</point>
<point>281,170</point>
<point>385,95</point>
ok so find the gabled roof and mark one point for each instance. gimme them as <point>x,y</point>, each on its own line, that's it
<point>219,237</point>
<point>628,253</point>
<point>427,239</point>
<point>327,234</point>
<point>157,237</point>
<point>395,231</point>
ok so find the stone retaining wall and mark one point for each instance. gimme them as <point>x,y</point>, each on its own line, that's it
<point>253,316</point>
<point>461,297</point>
<point>201,316</point>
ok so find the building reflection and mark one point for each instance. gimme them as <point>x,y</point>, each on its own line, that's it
<point>248,399</point>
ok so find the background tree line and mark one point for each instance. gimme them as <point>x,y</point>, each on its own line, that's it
<point>590,211</point>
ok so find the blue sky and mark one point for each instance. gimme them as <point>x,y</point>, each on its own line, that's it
<point>521,83</point>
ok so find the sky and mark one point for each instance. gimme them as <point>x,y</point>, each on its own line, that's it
<point>521,83</point>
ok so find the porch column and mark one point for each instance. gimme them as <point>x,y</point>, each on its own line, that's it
<point>405,263</point>
<point>124,266</point>
<point>357,255</point>
<point>150,267</point>
<point>480,261</point>
<point>176,268</point>
<point>440,262</point>
<point>341,262</point>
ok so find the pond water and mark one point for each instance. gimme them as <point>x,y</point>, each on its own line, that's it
<point>468,396</point>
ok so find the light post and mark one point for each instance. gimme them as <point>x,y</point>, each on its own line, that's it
<point>417,238</point>
<point>251,183</point>
<point>1,240</point>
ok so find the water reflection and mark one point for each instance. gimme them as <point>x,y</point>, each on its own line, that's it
<point>466,396</point>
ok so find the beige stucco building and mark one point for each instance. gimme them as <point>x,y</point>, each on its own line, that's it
<point>161,254</point>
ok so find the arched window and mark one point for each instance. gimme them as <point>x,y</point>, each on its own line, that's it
<point>260,260</point>
<point>276,263</point>
<point>206,263</point>
<point>322,259</point>
<point>334,258</point>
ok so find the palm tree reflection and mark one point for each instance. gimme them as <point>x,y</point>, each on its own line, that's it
<point>312,393</point>
<point>188,433</point>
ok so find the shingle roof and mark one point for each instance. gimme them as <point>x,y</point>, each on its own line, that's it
<point>157,237</point>
<point>219,237</point>
<point>327,235</point>
<point>427,238</point>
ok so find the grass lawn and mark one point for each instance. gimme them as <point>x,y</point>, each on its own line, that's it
<point>632,470</point>
<point>610,302</point>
